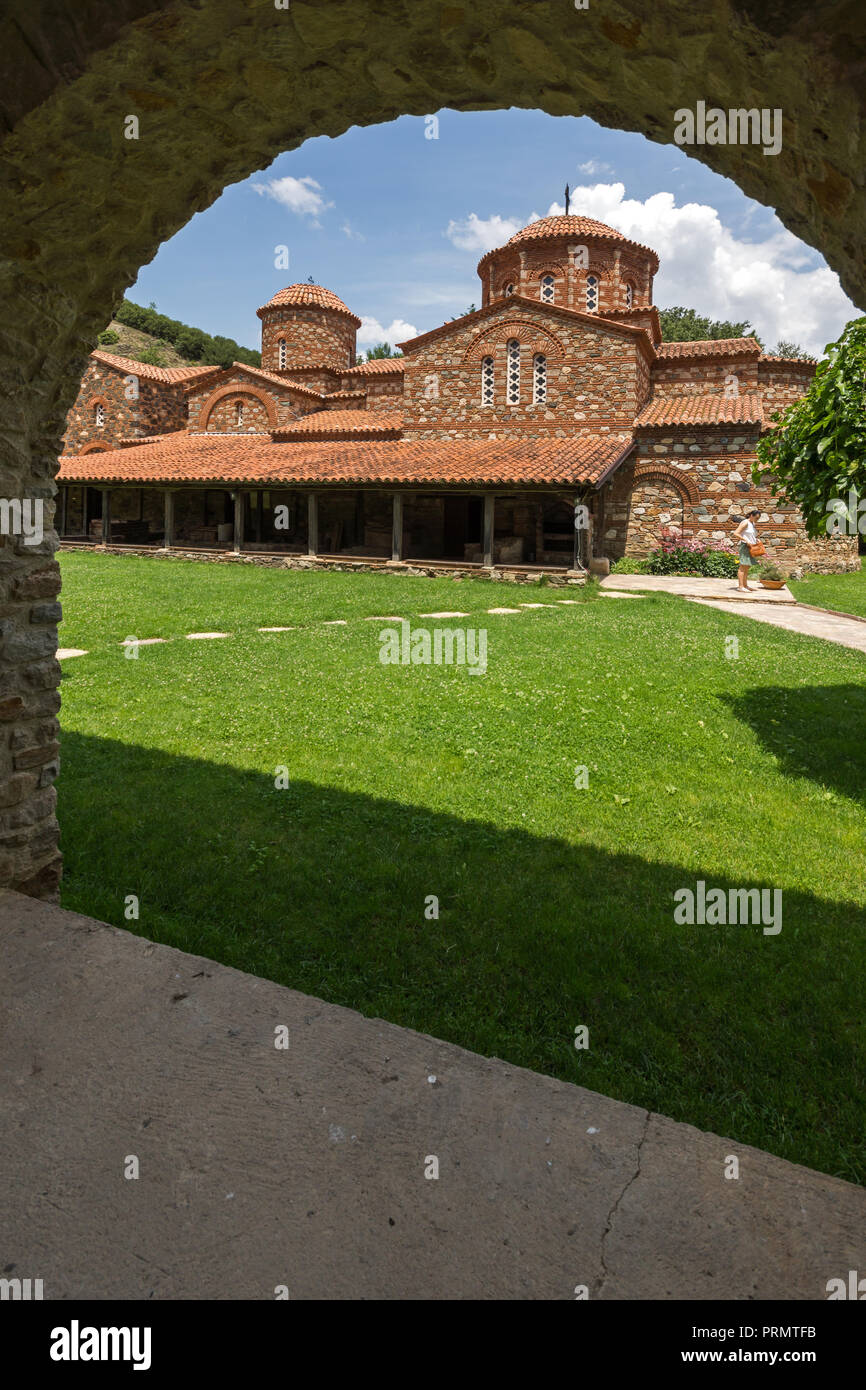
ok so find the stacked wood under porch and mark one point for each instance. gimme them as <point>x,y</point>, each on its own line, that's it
<point>466,527</point>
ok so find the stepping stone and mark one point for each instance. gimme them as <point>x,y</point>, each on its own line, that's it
<point>536,605</point>
<point>335,622</point>
<point>277,629</point>
<point>201,636</point>
<point>618,593</point>
<point>142,641</point>
<point>443,615</point>
<point>503,610</point>
<point>390,618</point>
<point>572,602</point>
<point>64,652</point>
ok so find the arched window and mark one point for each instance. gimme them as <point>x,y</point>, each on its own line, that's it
<point>629,295</point>
<point>239,414</point>
<point>547,283</point>
<point>99,415</point>
<point>487,381</point>
<point>539,378</point>
<point>591,294</point>
<point>281,348</point>
<point>509,288</point>
<point>513,392</point>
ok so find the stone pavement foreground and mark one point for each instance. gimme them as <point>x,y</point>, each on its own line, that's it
<point>687,586</point>
<point>305,1166</point>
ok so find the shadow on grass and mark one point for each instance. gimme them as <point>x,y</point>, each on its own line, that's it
<point>756,1037</point>
<point>814,731</point>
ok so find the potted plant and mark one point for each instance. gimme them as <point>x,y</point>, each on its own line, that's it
<point>771,576</point>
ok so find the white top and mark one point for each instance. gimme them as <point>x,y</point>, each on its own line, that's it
<point>750,535</point>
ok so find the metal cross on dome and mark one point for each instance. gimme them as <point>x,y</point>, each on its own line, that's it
<point>567,198</point>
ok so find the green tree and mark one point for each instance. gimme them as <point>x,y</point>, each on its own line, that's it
<point>381,350</point>
<point>784,348</point>
<point>681,325</point>
<point>817,452</point>
<point>107,337</point>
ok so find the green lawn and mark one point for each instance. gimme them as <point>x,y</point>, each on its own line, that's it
<point>556,904</point>
<point>844,592</point>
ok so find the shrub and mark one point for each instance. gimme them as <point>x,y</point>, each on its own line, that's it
<point>686,555</point>
<point>630,564</point>
<point>107,337</point>
<point>771,572</point>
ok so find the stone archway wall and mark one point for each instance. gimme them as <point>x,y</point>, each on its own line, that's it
<point>218,89</point>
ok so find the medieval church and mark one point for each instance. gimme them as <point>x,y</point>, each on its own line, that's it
<point>470,450</point>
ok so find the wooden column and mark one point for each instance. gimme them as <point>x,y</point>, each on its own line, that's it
<point>239,521</point>
<point>487,546</point>
<point>106,516</point>
<point>397,528</point>
<point>312,524</point>
<point>168,539</point>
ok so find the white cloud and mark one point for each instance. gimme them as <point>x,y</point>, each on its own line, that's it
<point>372,332</point>
<point>349,231</point>
<point>595,166</point>
<point>482,234</point>
<point>301,196</point>
<point>772,280</point>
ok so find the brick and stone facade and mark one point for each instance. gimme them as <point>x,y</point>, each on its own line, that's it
<point>565,355</point>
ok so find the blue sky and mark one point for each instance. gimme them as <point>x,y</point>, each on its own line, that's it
<point>395,223</point>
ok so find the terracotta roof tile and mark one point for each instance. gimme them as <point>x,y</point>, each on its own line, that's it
<point>255,460</point>
<point>701,410</point>
<point>260,374</point>
<point>791,361</point>
<point>709,347</point>
<point>311,296</point>
<point>380,366</point>
<point>169,375</point>
<point>333,423</point>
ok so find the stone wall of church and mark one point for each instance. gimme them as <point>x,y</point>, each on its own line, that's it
<point>131,407</point>
<point>594,377</point>
<point>213,406</point>
<point>717,489</point>
<point>524,264</point>
<point>704,376</point>
<point>782,382</point>
<point>314,338</point>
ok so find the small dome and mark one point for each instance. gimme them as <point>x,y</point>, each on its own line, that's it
<point>312,296</point>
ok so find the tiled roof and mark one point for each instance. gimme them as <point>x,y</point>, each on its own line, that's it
<point>286,383</point>
<point>358,394</point>
<point>169,375</point>
<point>342,422</point>
<point>572,226</point>
<point>380,366</point>
<point>701,410</point>
<point>709,347</point>
<point>255,460</point>
<point>312,296</point>
<point>131,439</point>
<point>519,301</point>
<point>789,361</point>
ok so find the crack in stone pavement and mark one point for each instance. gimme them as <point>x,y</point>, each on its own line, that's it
<point>602,1278</point>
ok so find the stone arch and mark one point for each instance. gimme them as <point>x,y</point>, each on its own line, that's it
<point>210,109</point>
<point>528,334</point>
<point>675,477</point>
<point>237,390</point>
<point>97,447</point>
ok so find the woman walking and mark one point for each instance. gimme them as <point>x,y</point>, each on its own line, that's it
<point>748,537</point>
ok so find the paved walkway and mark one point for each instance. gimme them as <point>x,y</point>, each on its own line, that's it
<point>305,1166</point>
<point>812,622</point>
<point>686,587</point>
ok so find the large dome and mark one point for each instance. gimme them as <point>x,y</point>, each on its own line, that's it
<point>572,227</point>
<point>311,296</point>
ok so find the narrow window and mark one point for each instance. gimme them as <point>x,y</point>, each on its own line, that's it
<point>282,353</point>
<point>629,295</point>
<point>487,381</point>
<point>513,396</point>
<point>509,288</point>
<point>547,289</point>
<point>591,294</point>
<point>99,416</point>
<point>239,414</point>
<point>539,378</point>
